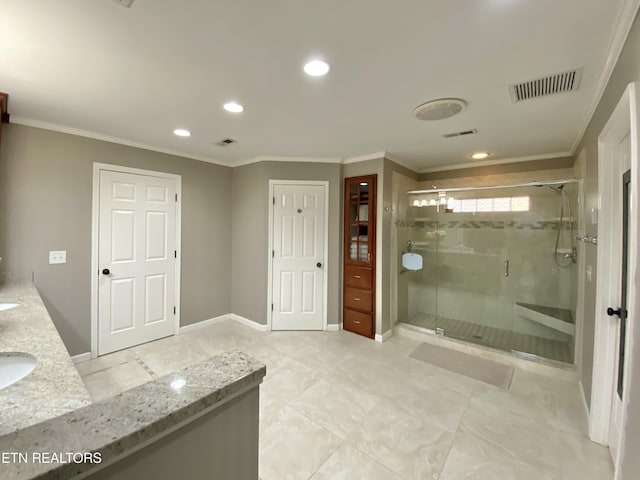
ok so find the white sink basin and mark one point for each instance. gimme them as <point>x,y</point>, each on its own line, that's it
<point>14,367</point>
<point>8,306</point>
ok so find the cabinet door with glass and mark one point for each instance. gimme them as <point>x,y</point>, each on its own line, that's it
<point>360,219</point>
<point>359,255</point>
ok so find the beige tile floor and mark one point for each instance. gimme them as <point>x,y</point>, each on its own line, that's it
<point>338,406</point>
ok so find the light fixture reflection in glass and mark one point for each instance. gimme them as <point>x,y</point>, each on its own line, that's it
<point>178,384</point>
<point>416,203</point>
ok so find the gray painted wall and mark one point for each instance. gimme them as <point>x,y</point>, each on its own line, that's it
<point>46,181</point>
<point>627,70</point>
<point>250,233</point>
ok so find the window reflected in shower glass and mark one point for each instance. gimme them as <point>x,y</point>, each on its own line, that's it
<point>485,205</point>
<point>488,205</point>
<point>502,204</point>
<point>469,205</point>
<point>520,204</point>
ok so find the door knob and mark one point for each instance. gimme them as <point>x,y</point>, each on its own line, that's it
<point>319,265</point>
<point>106,271</point>
<point>611,312</point>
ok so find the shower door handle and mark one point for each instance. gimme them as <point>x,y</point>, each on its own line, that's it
<point>506,268</point>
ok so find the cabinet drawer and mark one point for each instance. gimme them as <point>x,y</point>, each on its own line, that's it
<point>358,299</point>
<point>356,322</point>
<point>358,277</point>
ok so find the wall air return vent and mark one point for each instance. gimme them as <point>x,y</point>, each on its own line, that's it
<point>550,85</point>
<point>226,142</point>
<point>463,133</point>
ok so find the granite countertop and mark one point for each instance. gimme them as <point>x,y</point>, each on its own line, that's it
<point>54,387</point>
<point>121,423</point>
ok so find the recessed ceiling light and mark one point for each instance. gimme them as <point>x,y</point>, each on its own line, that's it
<point>480,155</point>
<point>181,132</point>
<point>233,107</point>
<point>316,68</point>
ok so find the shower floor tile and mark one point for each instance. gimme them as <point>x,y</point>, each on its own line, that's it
<point>496,337</point>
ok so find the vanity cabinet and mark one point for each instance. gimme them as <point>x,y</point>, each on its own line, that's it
<point>359,269</point>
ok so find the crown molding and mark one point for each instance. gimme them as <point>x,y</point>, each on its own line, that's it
<point>488,163</point>
<point>624,22</point>
<point>364,158</point>
<point>402,163</point>
<point>268,158</point>
<point>29,122</point>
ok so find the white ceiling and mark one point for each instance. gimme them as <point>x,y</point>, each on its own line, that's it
<point>136,74</point>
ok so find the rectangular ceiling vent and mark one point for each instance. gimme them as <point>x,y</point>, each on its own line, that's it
<point>550,85</point>
<point>226,142</point>
<point>473,131</point>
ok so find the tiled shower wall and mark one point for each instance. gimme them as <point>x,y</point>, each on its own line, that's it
<point>464,254</point>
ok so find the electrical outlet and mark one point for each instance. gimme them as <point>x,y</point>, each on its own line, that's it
<point>57,256</point>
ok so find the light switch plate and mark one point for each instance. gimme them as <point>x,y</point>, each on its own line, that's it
<point>57,256</point>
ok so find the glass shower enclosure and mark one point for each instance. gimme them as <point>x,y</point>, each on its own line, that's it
<point>499,266</point>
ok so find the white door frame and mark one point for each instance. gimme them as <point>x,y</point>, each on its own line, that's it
<point>95,216</point>
<point>623,119</point>
<point>318,183</point>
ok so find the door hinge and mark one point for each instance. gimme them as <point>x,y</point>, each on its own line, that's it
<point>175,254</point>
<point>272,307</point>
<point>174,310</point>
<point>176,197</point>
<point>274,200</point>
<point>273,253</point>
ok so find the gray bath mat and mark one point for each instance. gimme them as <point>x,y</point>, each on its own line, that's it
<point>487,371</point>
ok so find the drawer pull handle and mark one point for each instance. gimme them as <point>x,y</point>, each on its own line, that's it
<point>356,299</point>
<point>357,276</point>
<point>356,321</point>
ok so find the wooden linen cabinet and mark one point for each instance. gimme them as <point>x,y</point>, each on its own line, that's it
<point>359,273</point>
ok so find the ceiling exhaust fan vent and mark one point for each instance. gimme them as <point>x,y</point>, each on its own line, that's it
<point>463,133</point>
<point>226,142</point>
<point>550,85</point>
<point>124,3</point>
<point>439,109</point>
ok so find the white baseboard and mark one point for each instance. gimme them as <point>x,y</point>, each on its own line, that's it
<point>81,357</point>
<point>584,399</point>
<point>205,323</point>
<point>333,327</point>
<point>248,323</point>
<point>384,337</point>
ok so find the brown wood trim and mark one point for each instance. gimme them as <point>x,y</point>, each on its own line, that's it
<point>4,107</point>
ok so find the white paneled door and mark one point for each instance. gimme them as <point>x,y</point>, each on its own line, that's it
<point>136,259</point>
<point>298,257</point>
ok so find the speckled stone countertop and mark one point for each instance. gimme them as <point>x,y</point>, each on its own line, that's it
<point>116,425</point>
<point>54,387</point>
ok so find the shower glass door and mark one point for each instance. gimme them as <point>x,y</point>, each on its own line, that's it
<point>473,294</point>
<point>499,267</point>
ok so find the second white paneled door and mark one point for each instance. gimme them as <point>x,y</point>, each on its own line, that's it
<point>298,257</point>
<point>136,259</point>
